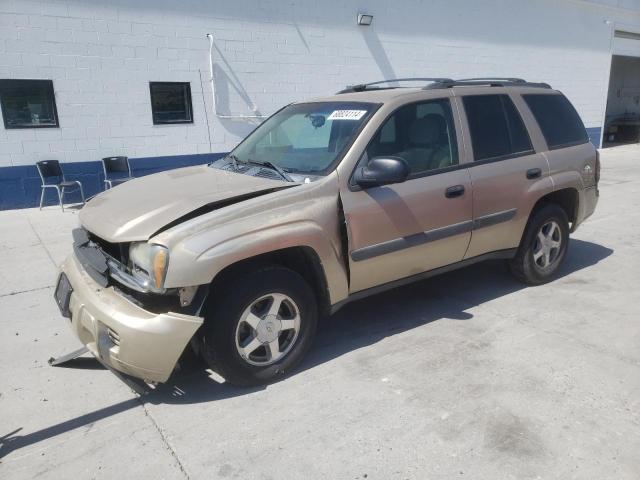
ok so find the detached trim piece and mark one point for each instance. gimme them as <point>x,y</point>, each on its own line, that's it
<point>414,240</point>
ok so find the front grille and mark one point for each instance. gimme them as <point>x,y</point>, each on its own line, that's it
<point>94,254</point>
<point>91,257</point>
<point>118,251</point>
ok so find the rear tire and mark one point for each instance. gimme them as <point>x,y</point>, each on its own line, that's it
<point>543,247</point>
<point>259,326</point>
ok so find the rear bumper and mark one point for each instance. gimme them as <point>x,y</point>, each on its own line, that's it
<point>587,201</point>
<point>123,335</point>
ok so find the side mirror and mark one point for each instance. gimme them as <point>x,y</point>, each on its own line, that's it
<point>382,171</point>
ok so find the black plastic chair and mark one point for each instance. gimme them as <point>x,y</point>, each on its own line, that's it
<point>116,170</point>
<point>52,176</point>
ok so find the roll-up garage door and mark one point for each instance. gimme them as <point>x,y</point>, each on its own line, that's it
<point>626,43</point>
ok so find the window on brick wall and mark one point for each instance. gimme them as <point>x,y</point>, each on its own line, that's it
<point>28,104</point>
<point>171,102</point>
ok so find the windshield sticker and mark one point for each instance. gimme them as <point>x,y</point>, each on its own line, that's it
<point>347,115</point>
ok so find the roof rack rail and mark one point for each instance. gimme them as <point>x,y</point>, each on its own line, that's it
<point>489,81</point>
<point>361,87</point>
<point>437,82</point>
<point>503,79</point>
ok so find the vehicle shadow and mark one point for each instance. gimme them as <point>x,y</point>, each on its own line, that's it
<point>370,320</point>
<point>357,325</point>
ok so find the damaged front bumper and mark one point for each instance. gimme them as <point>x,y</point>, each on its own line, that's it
<point>121,334</point>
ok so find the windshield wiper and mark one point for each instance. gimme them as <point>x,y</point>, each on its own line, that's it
<point>279,170</point>
<point>272,166</point>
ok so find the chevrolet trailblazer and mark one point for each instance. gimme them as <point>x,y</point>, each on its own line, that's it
<point>327,201</point>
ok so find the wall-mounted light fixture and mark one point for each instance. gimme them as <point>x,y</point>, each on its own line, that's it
<point>365,19</point>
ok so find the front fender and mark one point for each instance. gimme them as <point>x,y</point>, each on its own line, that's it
<point>204,267</point>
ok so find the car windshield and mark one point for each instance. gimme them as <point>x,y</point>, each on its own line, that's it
<point>305,137</point>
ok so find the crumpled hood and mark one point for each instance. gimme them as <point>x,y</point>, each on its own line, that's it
<point>137,209</point>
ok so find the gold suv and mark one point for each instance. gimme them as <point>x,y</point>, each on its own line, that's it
<point>327,201</point>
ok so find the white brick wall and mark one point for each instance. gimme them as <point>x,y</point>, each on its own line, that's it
<point>102,54</point>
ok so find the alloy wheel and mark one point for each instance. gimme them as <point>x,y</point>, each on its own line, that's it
<point>548,245</point>
<point>268,329</point>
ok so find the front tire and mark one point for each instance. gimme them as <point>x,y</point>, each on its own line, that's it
<point>543,247</point>
<point>259,326</point>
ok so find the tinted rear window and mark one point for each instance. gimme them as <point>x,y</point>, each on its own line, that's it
<point>497,131</point>
<point>560,123</point>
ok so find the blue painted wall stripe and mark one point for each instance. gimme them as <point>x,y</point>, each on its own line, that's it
<point>20,186</point>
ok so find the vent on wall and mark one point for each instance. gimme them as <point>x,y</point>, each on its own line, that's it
<point>629,35</point>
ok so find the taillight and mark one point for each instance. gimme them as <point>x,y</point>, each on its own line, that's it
<point>597,167</point>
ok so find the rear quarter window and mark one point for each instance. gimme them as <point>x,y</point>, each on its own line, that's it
<point>558,120</point>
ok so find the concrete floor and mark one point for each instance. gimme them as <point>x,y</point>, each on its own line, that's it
<point>468,375</point>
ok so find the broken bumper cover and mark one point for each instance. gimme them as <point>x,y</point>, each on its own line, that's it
<point>123,335</point>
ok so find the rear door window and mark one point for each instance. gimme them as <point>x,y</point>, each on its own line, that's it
<point>560,123</point>
<point>497,130</point>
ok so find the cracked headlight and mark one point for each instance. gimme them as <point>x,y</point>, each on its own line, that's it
<point>149,264</point>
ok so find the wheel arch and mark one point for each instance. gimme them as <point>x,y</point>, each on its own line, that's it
<point>303,260</point>
<point>566,198</point>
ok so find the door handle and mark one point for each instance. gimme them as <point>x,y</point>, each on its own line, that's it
<point>455,191</point>
<point>534,173</point>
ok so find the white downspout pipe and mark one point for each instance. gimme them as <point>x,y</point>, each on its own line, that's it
<point>213,91</point>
